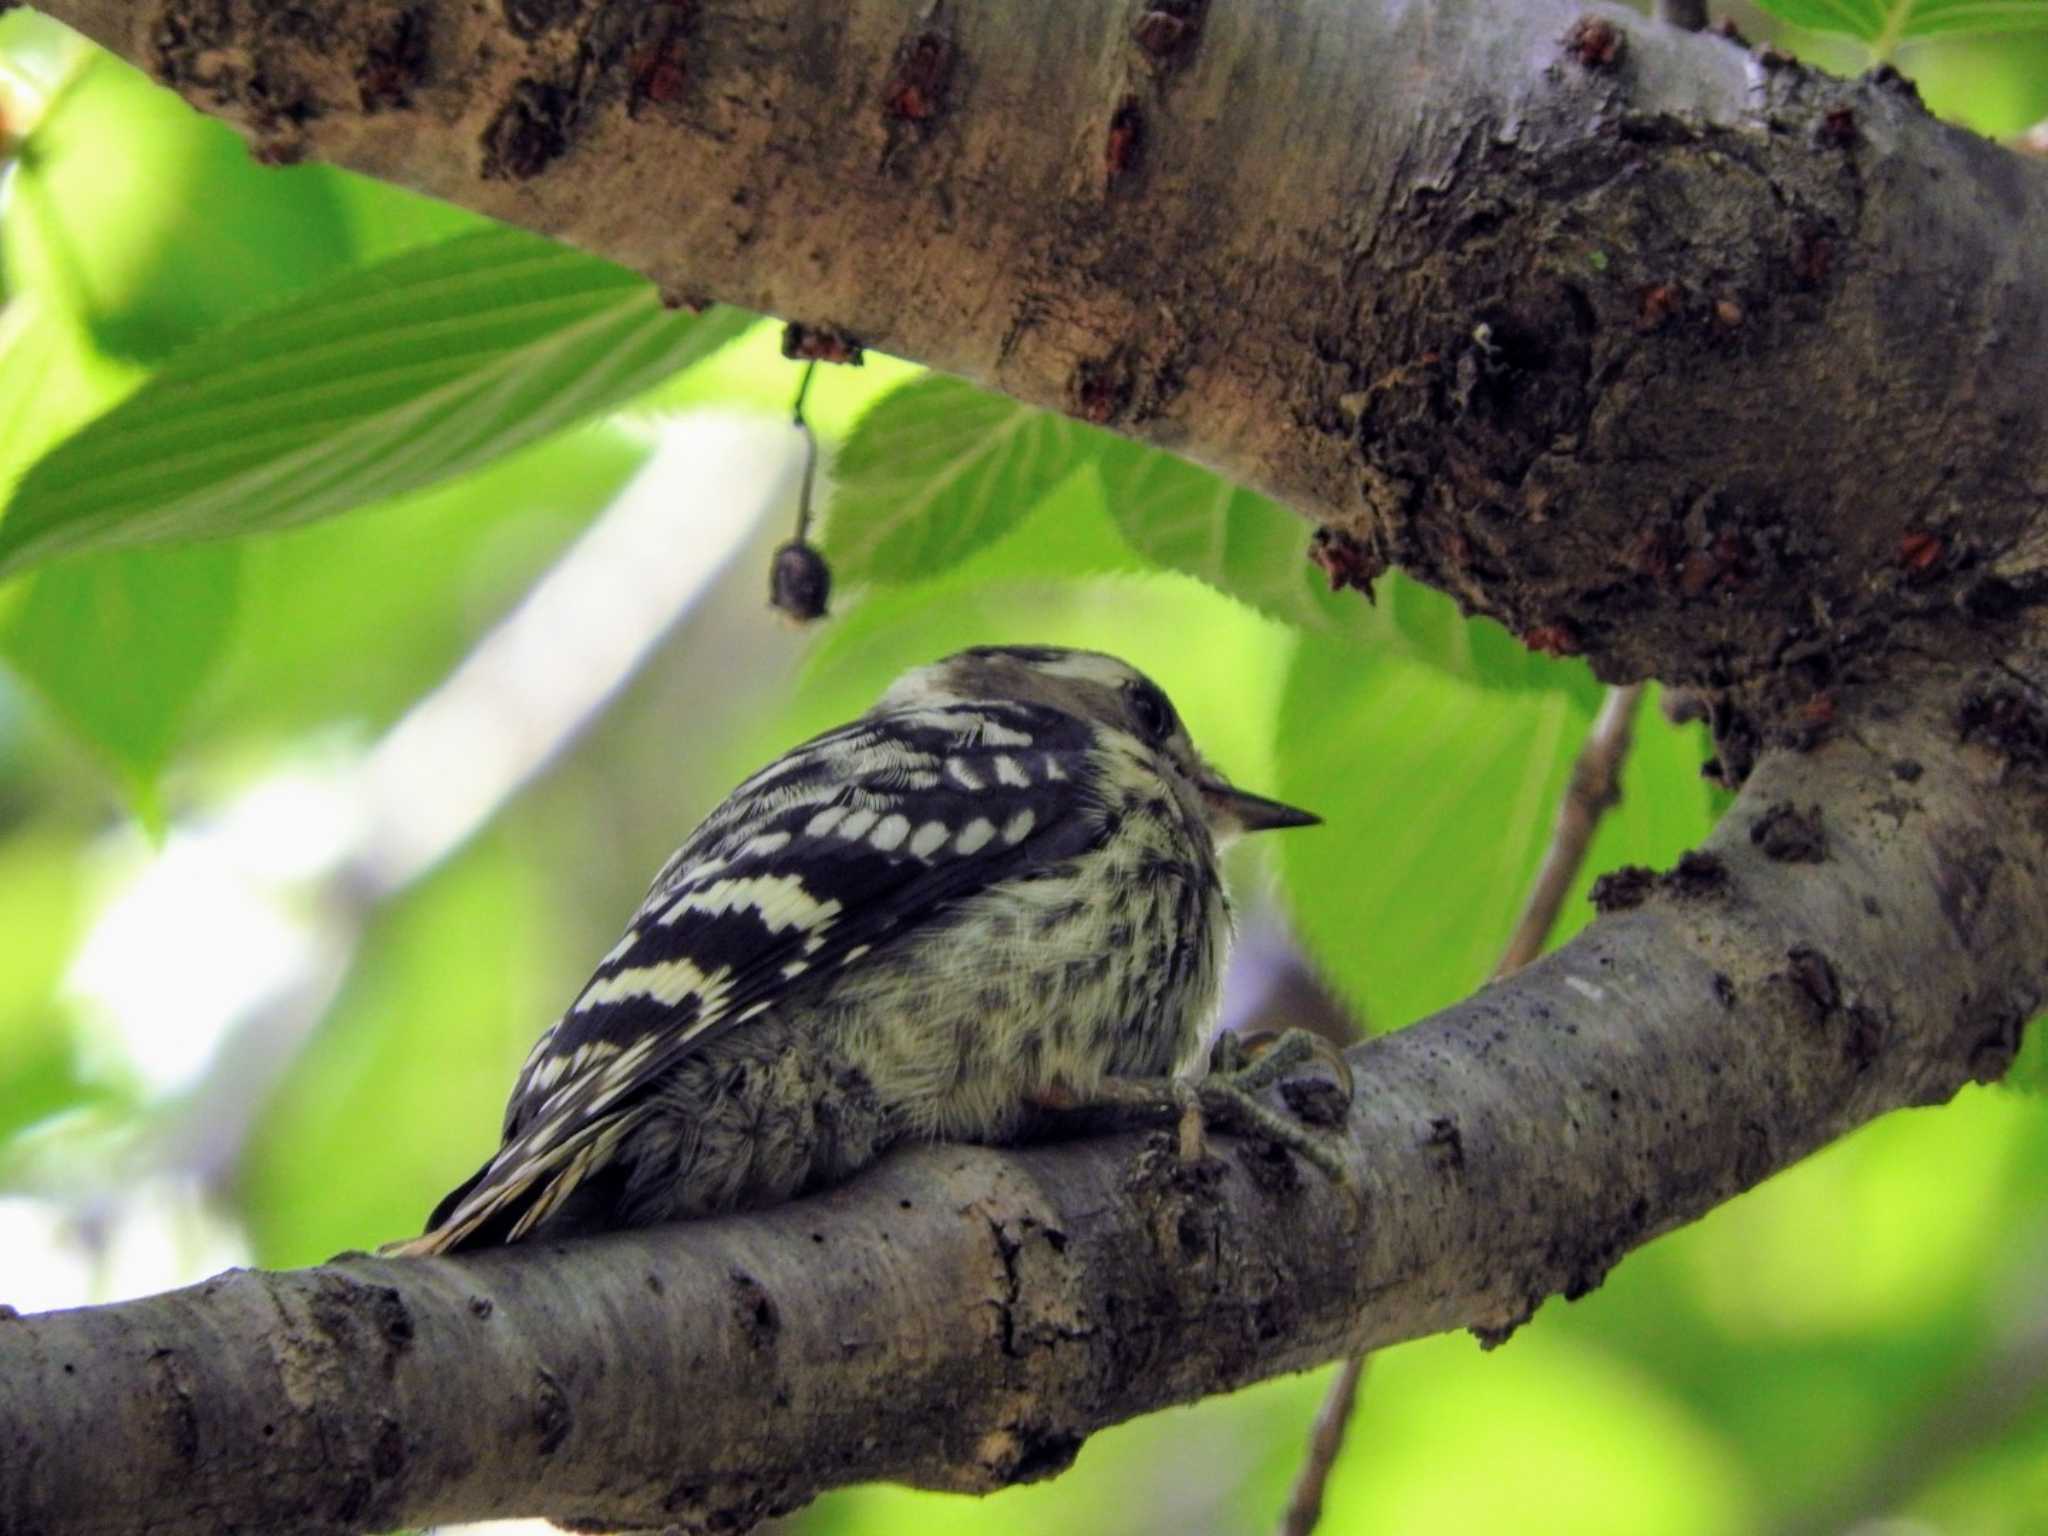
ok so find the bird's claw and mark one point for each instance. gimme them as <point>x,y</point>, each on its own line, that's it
<point>1258,1060</point>
<point>1241,1068</point>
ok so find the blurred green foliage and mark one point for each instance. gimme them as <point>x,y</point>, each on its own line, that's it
<point>72,633</point>
<point>193,344</point>
<point>363,1079</point>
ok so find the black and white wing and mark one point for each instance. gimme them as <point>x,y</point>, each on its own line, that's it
<point>828,855</point>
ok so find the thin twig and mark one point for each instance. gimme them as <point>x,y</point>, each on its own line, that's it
<point>803,499</point>
<point>1325,1440</point>
<point>1595,786</point>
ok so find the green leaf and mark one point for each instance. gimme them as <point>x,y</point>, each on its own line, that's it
<point>153,224</point>
<point>46,1078</point>
<point>1187,519</point>
<point>937,470</point>
<point>393,378</point>
<point>2029,1072</point>
<point>119,645</point>
<point>1858,18</point>
<point>1431,630</point>
<point>52,379</point>
<point>1069,536</point>
<point>1886,23</point>
<point>354,618</point>
<point>385,220</point>
<point>1438,797</point>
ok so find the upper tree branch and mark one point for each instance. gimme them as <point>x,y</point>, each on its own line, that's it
<point>1655,348</point>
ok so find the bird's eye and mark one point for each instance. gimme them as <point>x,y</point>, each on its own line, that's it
<point>1150,709</point>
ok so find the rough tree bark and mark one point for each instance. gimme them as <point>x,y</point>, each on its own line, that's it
<point>1659,350</point>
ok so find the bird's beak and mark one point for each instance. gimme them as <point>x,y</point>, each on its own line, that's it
<point>1232,811</point>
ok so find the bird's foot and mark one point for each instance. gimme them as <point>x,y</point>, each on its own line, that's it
<point>1243,1067</point>
<point>1227,1096</point>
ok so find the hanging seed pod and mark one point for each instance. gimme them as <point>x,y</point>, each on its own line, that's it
<point>799,579</point>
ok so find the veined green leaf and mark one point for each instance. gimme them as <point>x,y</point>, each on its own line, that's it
<point>1884,24</point>
<point>1858,18</point>
<point>390,379</point>
<point>1188,519</point>
<point>1184,518</point>
<point>153,225</point>
<point>939,469</point>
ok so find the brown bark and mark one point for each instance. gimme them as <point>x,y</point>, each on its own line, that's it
<point>1664,352</point>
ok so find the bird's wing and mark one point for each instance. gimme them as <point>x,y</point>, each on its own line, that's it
<point>835,851</point>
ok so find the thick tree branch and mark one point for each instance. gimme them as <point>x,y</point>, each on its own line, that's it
<point>1689,14</point>
<point>963,1318</point>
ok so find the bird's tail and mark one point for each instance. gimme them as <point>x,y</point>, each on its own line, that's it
<point>515,1192</point>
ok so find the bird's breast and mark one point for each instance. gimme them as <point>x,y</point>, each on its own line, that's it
<point>1106,964</point>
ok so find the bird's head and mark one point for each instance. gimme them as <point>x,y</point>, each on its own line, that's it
<point>1108,693</point>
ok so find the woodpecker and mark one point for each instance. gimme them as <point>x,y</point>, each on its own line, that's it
<point>995,891</point>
